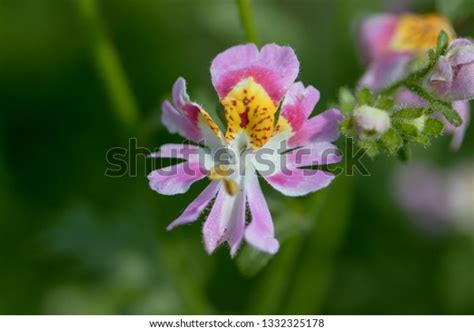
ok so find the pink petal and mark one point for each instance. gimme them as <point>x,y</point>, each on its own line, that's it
<point>226,222</point>
<point>375,35</point>
<point>177,122</point>
<point>179,93</point>
<point>260,233</point>
<point>385,71</point>
<point>275,68</point>
<point>176,179</point>
<point>463,83</point>
<point>406,98</point>
<point>462,107</point>
<point>441,79</point>
<point>195,208</point>
<point>298,104</point>
<point>322,127</point>
<point>461,51</point>
<point>179,151</point>
<point>459,42</point>
<point>421,190</point>
<point>184,116</point>
<point>319,153</point>
<point>299,182</point>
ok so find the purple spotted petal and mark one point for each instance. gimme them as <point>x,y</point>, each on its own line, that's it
<point>176,179</point>
<point>375,35</point>
<point>299,182</point>
<point>226,222</point>
<point>274,67</point>
<point>182,117</point>
<point>188,118</point>
<point>195,208</point>
<point>177,122</point>
<point>259,233</point>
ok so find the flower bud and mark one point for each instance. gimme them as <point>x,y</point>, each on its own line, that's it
<point>371,122</point>
<point>452,77</point>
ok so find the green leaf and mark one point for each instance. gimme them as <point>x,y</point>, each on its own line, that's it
<point>447,110</point>
<point>443,42</point>
<point>384,102</point>
<point>347,101</point>
<point>422,139</point>
<point>371,147</point>
<point>433,127</point>
<point>365,96</point>
<point>407,129</point>
<point>346,126</point>
<point>391,141</point>
<point>409,113</point>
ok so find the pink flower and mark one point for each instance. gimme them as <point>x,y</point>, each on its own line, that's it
<point>436,199</point>
<point>453,76</point>
<point>251,85</point>
<point>390,42</point>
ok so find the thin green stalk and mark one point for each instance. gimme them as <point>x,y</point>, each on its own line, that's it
<point>313,276</point>
<point>108,64</point>
<point>433,56</point>
<point>272,288</point>
<point>247,20</point>
<point>177,266</point>
<point>442,106</point>
<point>275,284</point>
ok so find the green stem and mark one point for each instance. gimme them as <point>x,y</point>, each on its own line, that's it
<point>313,275</point>
<point>108,64</point>
<point>247,20</point>
<point>442,106</point>
<point>276,282</point>
<point>411,79</point>
<point>433,56</point>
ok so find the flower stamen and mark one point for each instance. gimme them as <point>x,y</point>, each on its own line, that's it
<point>221,172</point>
<point>230,186</point>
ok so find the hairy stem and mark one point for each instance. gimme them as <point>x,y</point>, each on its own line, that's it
<point>433,57</point>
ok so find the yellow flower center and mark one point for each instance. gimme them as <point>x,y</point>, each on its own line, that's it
<point>419,33</point>
<point>249,108</point>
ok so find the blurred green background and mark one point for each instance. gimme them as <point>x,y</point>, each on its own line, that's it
<point>73,241</point>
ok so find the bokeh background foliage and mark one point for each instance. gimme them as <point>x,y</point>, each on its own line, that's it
<point>75,241</point>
